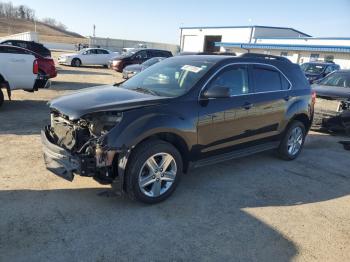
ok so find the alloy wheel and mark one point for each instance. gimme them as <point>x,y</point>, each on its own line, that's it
<point>157,174</point>
<point>295,141</point>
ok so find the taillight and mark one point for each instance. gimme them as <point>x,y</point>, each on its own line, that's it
<point>35,67</point>
<point>313,96</point>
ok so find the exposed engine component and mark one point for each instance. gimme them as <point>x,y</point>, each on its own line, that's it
<point>101,123</point>
<point>332,115</point>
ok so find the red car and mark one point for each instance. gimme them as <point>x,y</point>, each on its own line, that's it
<point>46,65</point>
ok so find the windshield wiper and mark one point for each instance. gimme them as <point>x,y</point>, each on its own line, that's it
<point>145,91</point>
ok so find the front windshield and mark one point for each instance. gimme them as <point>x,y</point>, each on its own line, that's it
<point>313,68</point>
<point>129,52</point>
<point>169,78</point>
<point>337,79</point>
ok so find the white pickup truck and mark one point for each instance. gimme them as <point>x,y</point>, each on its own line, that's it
<point>18,70</point>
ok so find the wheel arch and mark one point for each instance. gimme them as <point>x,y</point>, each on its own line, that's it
<point>76,58</point>
<point>174,139</point>
<point>302,117</point>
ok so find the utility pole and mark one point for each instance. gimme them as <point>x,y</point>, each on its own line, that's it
<point>94,30</point>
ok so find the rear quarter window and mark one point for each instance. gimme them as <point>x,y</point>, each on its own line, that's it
<point>267,79</point>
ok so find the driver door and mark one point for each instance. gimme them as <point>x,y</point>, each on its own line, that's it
<point>225,122</point>
<point>140,57</point>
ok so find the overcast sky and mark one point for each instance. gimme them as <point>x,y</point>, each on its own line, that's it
<point>159,20</point>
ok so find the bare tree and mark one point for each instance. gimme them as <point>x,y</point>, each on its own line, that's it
<point>8,10</point>
<point>54,23</point>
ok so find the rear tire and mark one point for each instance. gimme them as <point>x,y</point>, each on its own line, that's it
<point>1,97</point>
<point>293,141</point>
<point>147,180</point>
<point>76,62</point>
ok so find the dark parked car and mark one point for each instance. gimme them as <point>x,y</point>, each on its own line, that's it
<point>183,112</point>
<point>132,70</point>
<point>136,56</point>
<point>318,70</point>
<point>30,45</point>
<point>207,53</point>
<point>332,110</point>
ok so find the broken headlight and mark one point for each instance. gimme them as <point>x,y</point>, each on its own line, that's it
<point>101,123</point>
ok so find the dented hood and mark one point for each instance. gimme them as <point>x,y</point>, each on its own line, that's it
<point>101,98</point>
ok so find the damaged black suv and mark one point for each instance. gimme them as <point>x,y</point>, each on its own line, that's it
<point>187,111</point>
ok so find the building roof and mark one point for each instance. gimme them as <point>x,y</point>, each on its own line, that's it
<point>314,48</point>
<point>247,26</point>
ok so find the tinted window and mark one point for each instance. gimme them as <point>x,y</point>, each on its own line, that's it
<point>19,44</point>
<point>102,52</point>
<point>159,53</point>
<point>142,54</point>
<point>266,79</point>
<point>235,78</point>
<point>338,79</point>
<point>90,52</point>
<point>13,50</point>
<point>329,69</point>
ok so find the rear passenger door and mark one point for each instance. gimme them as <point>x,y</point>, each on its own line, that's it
<point>90,57</point>
<point>270,99</point>
<point>140,57</point>
<point>103,56</point>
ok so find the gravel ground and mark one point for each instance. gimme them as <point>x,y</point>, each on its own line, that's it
<point>256,209</point>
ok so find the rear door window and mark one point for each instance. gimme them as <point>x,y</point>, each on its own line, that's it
<point>102,52</point>
<point>13,50</point>
<point>142,54</point>
<point>267,79</point>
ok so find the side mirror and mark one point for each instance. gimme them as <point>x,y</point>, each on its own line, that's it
<point>217,92</point>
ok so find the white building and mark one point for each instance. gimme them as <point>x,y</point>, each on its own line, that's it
<point>293,44</point>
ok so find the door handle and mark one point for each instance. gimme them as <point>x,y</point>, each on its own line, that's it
<point>287,98</point>
<point>247,105</point>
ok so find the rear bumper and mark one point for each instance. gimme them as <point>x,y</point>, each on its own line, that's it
<point>58,160</point>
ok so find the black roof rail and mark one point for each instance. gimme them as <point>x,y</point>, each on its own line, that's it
<point>263,56</point>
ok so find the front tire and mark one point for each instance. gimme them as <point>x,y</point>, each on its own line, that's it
<point>153,171</point>
<point>76,62</point>
<point>293,141</point>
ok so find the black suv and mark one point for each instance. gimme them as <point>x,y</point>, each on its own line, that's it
<point>136,56</point>
<point>30,45</point>
<point>186,111</point>
<point>317,70</point>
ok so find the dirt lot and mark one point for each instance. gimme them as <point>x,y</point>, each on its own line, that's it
<point>256,209</point>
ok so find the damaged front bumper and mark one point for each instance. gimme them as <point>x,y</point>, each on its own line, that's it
<point>332,115</point>
<point>66,165</point>
<point>58,160</point>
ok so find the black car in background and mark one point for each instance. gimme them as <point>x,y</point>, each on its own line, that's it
<point>132,70</point>
<point>137,56</point>
<point>332,109</point>
<point>185,111</point>
<point>318,70</point>
<point>30,45</point>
